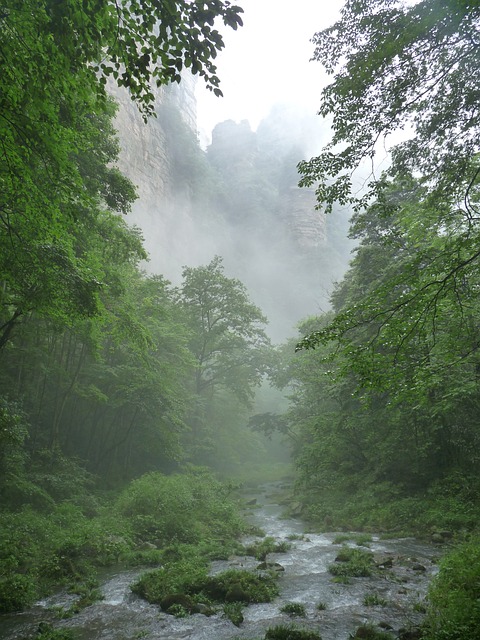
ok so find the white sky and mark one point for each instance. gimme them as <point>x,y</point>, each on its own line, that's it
<point>267,61</point>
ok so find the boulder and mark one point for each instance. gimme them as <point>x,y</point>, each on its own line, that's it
<point>236,594</point>
<point>272,566</point>
<point>177,599</point>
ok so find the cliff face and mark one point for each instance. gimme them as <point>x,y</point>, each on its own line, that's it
<point>306,225</point>
<point>149,156</point>
<point>239,200</point>
<point>144,155</point>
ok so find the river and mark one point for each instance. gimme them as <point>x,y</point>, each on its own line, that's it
<point>400,589</point>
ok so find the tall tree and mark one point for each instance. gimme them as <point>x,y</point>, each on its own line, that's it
<point>228,341</point>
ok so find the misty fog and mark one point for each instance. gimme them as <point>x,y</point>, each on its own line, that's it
<point>239,199</point>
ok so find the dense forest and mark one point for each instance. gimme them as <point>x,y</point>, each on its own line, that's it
<point>131,409</point>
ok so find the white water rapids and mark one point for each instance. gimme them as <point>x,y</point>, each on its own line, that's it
<point>306,580</point>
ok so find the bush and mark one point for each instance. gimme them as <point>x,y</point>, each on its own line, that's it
<point>178,576</point>
<point>41,552</point>
<point>354,563</point>
<point>16,593</point>
<point>240,586</point>
<point>189,578</point>
<point>290,632</point>
<point>260,550</point>
<point>234,612</point>
<point>294,609</point>
<point>179,508</point>
<point>454,611</point>
<point>47,632</point>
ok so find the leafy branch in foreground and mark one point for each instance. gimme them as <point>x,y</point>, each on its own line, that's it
<point>396,67</point>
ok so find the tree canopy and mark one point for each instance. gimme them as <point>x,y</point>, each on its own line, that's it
<point>400,66</point>
<point>413,67</point>
<point>58,151</point>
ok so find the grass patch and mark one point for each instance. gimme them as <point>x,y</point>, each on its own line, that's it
<point>233,611</point>
<point>294,609</point>
<point>352,563</point>
<point>369,632</point>
<point>374,600</point>
<point>261,549</point>
<point>291,632</point>
<point>188,584</point>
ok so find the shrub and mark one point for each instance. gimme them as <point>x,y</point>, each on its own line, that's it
<point>178,576</point>
<point>179,508</point>
<point>373,600</point>
<point>352,563</point>
<point>294,609</point>
<point>234,612</point>
<point>260,550</point>
<point>191,579</point>
<point>290,632</point>
<point>454,611</point>
<point>16,593</point>
<point>240,586</point>
<point>47,632</point>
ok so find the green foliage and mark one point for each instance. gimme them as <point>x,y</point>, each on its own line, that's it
<point>48,632</point>
<point>260,549</point>
<point>383,82</point>
<point>352,563</point>
<point>188,576</point>
<point>38,551</point>
<point>175,576</point>
<point>179,508</point>
<point>241,586</point>
<point>370,632</point>
<point>227,330</point>
<point>16,592</point>
<point>290,632</point>
<point>294,609</point>
<point>231,352</point>
<point>453,612</point>
<point>234,612</point>
<point>373,600</point>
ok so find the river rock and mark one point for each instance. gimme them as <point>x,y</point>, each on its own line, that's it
<point>409,634</point>
<point>296,509</point>
<point>385,562</point>
<point>273,566</point>
<point>440,537</point>
<point>179,599</point>
<point>236,594</point>
<point>146,546</point>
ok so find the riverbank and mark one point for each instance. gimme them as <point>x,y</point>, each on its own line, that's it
<point>310,597</point>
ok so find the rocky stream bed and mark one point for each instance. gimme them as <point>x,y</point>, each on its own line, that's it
<point>392,598</point>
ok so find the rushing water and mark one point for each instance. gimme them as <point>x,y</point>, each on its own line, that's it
<point>123,616</point>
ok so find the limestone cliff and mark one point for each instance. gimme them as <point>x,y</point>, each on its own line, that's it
<point>239,200</point>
